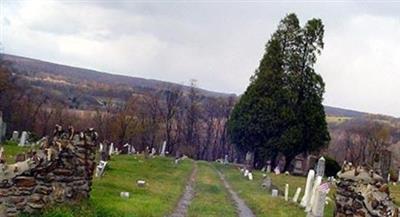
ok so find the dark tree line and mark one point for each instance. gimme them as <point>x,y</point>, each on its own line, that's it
<point>189,122</point>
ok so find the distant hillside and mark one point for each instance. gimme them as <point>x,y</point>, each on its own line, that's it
<point>89,87</point>
<point>334,111</point>
<point>71,75</point>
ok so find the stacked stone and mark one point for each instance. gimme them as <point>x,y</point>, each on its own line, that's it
<point>60,172</point>
<point>360,193</point>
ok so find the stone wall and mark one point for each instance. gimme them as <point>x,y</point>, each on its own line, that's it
<point>360,193</point>
<point>60,171</point>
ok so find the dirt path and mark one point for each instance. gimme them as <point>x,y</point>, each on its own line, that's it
<point>242,208</point>
<point>183,204</point>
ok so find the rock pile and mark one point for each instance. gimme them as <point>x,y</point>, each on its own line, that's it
<point>60,171</point>
<point>361,193</point>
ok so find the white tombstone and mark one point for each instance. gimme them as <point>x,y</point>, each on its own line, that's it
<point>296,195</point>
<point>277,171</point>
<point>15,136</point>
<point>101,168</point>
<point>286,192</point>
<point>314,193</point>
<point>111,150</point>
<point>124,194</point>
<point>246,173</point>
<point>153,151</point>
<point>226,161</point>
<point>308,189</point>
<point>268,168</point>
<point>24,137</point>
<point>317,209</point>
<point>398,179</point>
<point>141,183</point>
<point>250,175</point>
<point>321,167</point>
<point>274,193</point>
<point>101,147</point>
<point>1,152</point>
<point>164,146</point>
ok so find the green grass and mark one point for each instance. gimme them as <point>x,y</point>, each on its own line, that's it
<point>211,198</point>
<point>337,119</point>
<point>11,149</point>
<point>260,201</point>
<point>165,184</point>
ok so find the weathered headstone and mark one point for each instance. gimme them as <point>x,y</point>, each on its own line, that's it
<point>141,183</point>
<point>124,195</point>
<point>250,175</point>
<point>296,195</point>
<point>314,193</point>
<point>274,192</point>
<point>317,209</point>
<point>277,171</point>
<point>268,166</point>
<point>111,149</point>
<point>267,183</point>
<point>308,189</point>
<point>226,161</point>
<point>246,173</point>
<point>15,136</point>
<point>286,192</point>
<point>23,139</point>
<point>100,169</point>
<point>321,167</point>
<point>164,146</point>
<point>298,166</point>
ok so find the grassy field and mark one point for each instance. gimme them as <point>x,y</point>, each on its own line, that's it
<point>260,201</point>
<point>11,149</point>
<point>165,184</point>
<point>337,119</point>
<point>211,199</point>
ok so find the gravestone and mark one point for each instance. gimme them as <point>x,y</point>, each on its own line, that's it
<point>385,159</point>
<point>268,166</point>
<point>141,183</point>
<point>100,169</point>
<point>249,159</point>
<point>226,159</point>
<point>314,193</point>
<point>321,167</point>
<point>286,192</point>
<point>296,195</point>
<point>23,139</point>
<point>267,183</point>
<point>124,194</point>
<point>111,149</point>
<point>318,205</point>
<point>250,175</point>
<point>15,136</point>
<point>277,171</point>
<point>164,146</point>
<point>274,192</point>
<point>298,166</point>
<point>308,189</point>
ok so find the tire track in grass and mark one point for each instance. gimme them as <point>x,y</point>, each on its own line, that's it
<point>242,208</point>
<point>187,197</point>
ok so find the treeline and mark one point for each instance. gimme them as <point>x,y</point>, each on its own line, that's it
<point>188,121</point>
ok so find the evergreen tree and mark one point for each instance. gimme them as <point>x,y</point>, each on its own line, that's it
<point>281,111</point>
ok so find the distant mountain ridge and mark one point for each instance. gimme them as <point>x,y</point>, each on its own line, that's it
<point>24,64</point>
<point>45,75</point>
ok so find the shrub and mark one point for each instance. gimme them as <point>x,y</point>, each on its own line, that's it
<point>331,166</point>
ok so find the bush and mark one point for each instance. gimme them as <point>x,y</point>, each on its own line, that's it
<point>331,166</point>
<point>11,143</point>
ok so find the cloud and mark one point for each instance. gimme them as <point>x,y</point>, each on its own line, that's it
<point>219,44</point>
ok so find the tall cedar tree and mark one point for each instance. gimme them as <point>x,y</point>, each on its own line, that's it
<point>281,111</point>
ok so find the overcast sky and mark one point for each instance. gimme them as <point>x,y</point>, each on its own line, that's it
<point>219,43</point>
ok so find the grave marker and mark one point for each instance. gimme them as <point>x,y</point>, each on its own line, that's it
<point>274,192</point>
<point>15,136</point>
<point>164,146</point>
<point>24,137</point>
<point>296,195</point>
<point>286,192</point>
<point>321,167</point>
<point>308,189</point>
